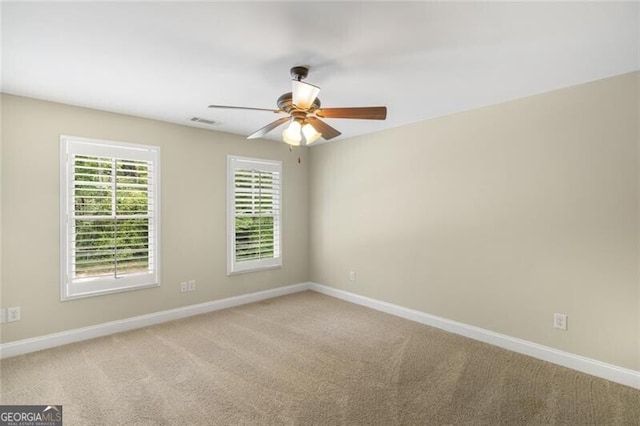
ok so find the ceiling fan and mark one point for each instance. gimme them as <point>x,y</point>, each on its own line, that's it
<point>304,114</point>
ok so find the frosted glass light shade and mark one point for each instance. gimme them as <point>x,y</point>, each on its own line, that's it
<point>291,134</point>
<point>310,134</point>
<point>304,94</point>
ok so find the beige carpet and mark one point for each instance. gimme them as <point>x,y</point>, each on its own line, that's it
<point>306,359</point>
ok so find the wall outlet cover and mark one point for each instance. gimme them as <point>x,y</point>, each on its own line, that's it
<point>13,314</point>
<point>560,321</point>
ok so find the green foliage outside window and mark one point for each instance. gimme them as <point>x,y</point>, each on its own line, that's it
<point>254,238</point>
<point>255,208</point>
<point>111,218</point>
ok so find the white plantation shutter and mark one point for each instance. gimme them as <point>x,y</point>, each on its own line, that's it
<point>109,216</point>
<point>254,227</point>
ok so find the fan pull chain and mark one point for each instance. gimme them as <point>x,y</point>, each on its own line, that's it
<point>291,150</point>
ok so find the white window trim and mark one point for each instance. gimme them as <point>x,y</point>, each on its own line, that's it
<point>99,286</point>
<point>234,267</point>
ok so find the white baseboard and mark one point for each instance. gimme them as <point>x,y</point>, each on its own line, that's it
<point>576,362</point>
<point>21,347</point>
<point>566,359</point>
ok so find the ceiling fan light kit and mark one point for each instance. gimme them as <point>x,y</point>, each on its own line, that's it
<point>310,134</point>
<point>304,94</point>
<point>303,108</point>
<point>291,134</point>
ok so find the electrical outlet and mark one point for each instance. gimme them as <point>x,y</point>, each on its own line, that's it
<point>191,285</point>
<point>560,321</point>
<point>183,287</point>
<point>13,314</point>
<point>352,276</point>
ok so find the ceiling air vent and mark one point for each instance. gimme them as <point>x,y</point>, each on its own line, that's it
<point>202,121</point>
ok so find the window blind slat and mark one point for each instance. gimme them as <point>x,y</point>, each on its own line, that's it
<point>121,190</point>
<point>256,210</point>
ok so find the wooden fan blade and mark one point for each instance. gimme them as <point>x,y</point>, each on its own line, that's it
<point>363,113</point>
<point>269,127</point>
<point>327,131</point>
<point>246,108</point>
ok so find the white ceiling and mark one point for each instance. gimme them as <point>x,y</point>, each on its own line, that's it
<point>168,61</point>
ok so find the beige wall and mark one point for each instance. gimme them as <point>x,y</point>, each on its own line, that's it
<point>637,119</point>
<point>496,217</point>
<point>193,178</point>
<point>1,173</point>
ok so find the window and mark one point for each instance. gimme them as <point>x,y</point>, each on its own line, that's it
<point>253,214</point>
<point>109,217</point>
